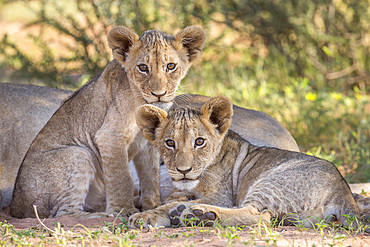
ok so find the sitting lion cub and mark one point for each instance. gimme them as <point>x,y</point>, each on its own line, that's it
<point>79,161</point>
<point>234,181</point>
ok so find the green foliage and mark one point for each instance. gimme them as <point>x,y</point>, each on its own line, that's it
<point>269,40</point>
<point>306,63</point>
<point>229,233</point>
<point>331,125</point>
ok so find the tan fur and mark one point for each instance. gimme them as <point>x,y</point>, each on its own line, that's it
<point>24,110</point>
<point>238,182</point>
<point>363,205</point>
<point>257,127</point>
<point>83,149</point>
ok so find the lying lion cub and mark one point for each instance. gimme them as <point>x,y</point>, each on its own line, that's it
<point>79,161</point>
<point>236,182</point>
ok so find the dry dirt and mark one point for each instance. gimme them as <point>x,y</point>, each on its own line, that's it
<point>207,236</point>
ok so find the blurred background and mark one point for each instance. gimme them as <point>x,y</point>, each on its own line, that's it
<point>306,63</point>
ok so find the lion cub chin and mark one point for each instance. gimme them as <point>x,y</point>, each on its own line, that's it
<point>79,161</point>
<point>235,182</point>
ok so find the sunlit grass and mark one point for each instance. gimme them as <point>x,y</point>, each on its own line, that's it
<point>266,233</point>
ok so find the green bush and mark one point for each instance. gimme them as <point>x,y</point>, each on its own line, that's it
<point>331,125</point>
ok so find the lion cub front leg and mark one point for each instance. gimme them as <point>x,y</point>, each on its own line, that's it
<point>148,170</point>
<point>118,182</point>
<point>119,185</point>
<point>246,215</point>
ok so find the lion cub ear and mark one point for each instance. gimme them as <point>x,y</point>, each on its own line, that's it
<point>219,111</point>
<point>120,39</point>
<point>192,38</point>
<point>148,118</point>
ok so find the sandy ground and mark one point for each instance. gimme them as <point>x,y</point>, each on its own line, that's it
<point>208,236</point>
<point>282,236</point>
<point>65,221</point>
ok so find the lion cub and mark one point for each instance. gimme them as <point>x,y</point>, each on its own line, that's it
<point>236,182</point>
<point>79,161</point>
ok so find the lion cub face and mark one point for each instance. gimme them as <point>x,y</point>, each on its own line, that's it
<point>187,139</point>
<point>156,62</point>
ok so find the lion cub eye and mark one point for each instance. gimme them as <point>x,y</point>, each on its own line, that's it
<point>199,142</point>
<point>143,68</point>
<point>171,66</point>
<point>170,143</point>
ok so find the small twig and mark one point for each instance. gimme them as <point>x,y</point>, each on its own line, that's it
<point>41,223</point>
<point>341,73</point>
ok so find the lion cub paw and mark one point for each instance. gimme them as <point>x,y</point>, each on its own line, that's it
<point>192,216</point>
<point>149,218</point>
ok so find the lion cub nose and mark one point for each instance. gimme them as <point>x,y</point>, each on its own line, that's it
<point>184,171</point>
<point>158,93</point>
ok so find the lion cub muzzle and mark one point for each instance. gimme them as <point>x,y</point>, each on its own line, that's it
<point>159,94</point>
<point>184,171</point>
